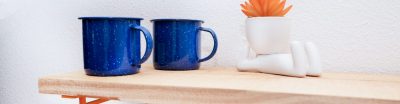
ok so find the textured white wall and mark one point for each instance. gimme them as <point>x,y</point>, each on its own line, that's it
<point>40,37</point>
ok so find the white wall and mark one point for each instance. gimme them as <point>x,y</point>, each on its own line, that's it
<point>40,37</point>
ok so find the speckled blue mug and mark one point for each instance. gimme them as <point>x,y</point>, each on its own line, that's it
<point>177,44</point>
<point>111,45</point>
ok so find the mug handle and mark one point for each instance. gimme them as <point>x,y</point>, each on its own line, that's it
<point>214,35</point>
<point>149,42</point>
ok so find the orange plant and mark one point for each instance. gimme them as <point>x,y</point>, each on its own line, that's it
<point>265,8</point>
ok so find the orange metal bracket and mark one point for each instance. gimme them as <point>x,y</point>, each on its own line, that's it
<point>82,99</point>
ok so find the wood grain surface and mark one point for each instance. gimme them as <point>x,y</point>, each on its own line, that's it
<point>212,85</point>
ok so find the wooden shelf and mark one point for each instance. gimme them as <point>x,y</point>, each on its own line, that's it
<point>227,86</point>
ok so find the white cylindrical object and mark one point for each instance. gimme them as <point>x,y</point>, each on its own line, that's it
<point>269,35</point>
<point>314,60</point>
<point>299,55</point>
<point>281,64</point>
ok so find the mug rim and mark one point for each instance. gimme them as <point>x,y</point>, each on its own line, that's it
<point>135,18</point>
<point>176,19</point>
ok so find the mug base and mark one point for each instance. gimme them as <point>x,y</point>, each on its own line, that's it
<point>175,68</point>
<point>116,72</point>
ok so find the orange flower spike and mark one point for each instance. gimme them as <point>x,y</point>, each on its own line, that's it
<point>279,9</point>
<point>273,4</point>
<point>250,8</point>
<point>249,14</point>
<point>248,5</point>
<point>284,12</point>
<point>243,10</point>
<point>244,6</point>
<point>256,6</point>
<point>262,5</point>
<point>265,7</point>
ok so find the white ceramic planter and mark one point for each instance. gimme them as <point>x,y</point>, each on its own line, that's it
<point>268,35</point>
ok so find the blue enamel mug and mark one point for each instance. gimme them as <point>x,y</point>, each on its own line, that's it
<point>111,45</point>
<point>177,44</point>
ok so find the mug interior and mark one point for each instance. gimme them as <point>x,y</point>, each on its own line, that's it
<point>110,18</point>
<point>171,19</point>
